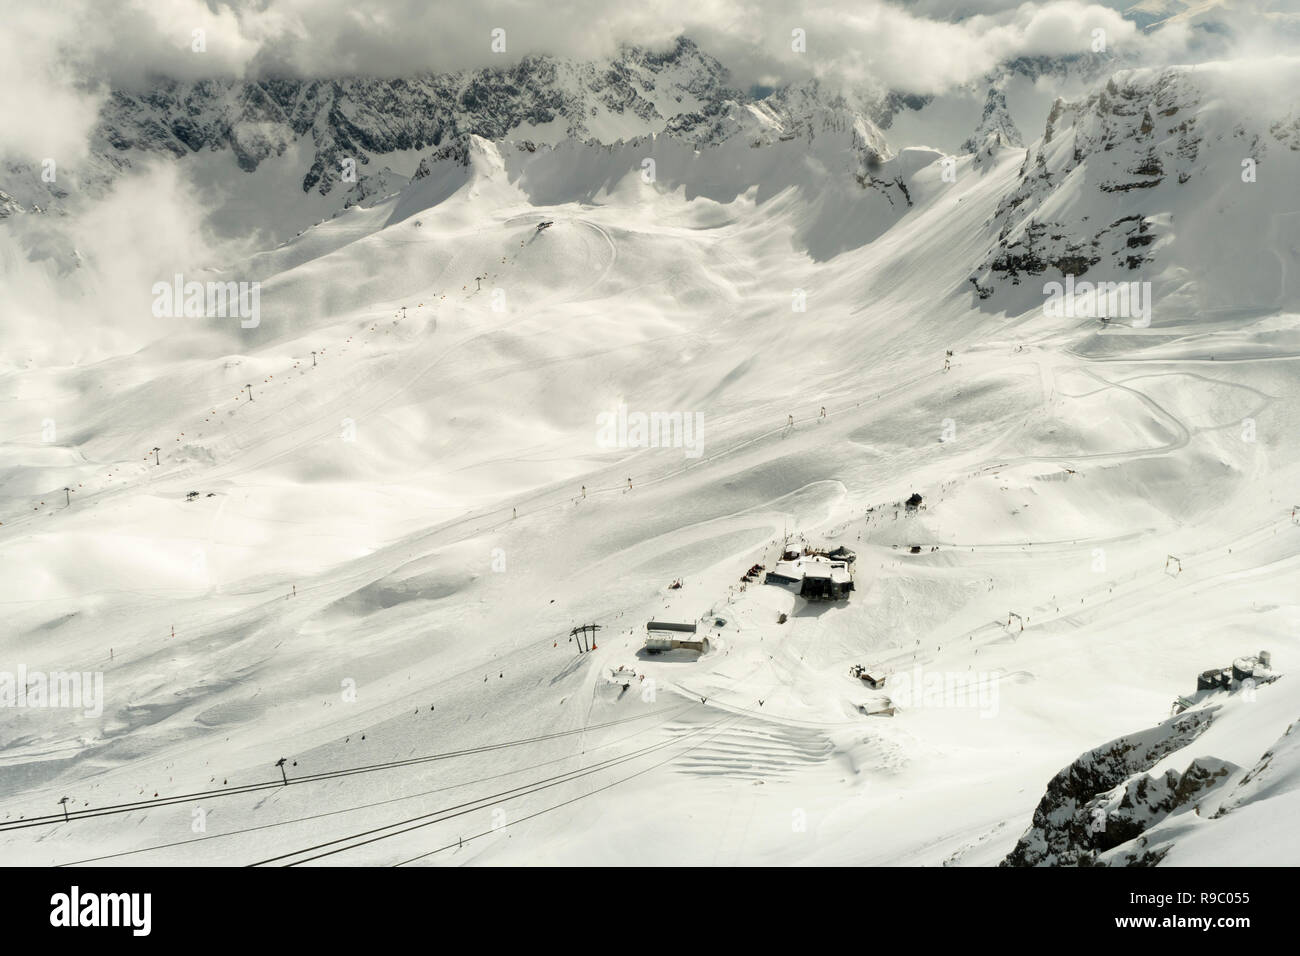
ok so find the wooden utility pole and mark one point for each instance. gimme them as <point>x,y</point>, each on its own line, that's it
<point>156,449</point>
<point>250,392</point>
<point>64,804</point>
<point>67,496</point>
<point>313,359</point>
<point>280,763</point>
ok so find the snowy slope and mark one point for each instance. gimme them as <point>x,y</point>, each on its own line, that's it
<point>393,539</point>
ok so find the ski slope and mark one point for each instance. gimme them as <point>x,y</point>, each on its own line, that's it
<point>392,541</point>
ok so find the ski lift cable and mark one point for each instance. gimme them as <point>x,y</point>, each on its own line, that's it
<point>312,778</point>
<point>352,809</point>
<point>478,804</point>
<point>565,803</point>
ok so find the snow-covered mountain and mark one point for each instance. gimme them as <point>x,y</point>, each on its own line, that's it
<point>357,530</point>
<point>996,129</point>
<point>348,140</point>
<point>1181,147</point>
<point>1214,21</point>
<point>354,140</point>
<point>538,98</point>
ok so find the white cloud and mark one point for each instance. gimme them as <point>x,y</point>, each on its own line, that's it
<point>916,44</point>
<point>47,103</point>
<point>75,288</point>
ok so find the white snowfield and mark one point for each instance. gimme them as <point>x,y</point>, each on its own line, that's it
<point>393,539</point>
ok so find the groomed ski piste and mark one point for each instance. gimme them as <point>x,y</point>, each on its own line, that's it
<point>394,537</point>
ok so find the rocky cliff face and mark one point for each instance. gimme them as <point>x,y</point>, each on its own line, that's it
<point>343,131</point>
<point>1151,143</point>
<point>997,130</point>
<point>360,119</point>
<point>1106,798</point>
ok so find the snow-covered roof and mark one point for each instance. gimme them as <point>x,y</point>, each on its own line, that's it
<point>789,569</point>
<point>813,566</point>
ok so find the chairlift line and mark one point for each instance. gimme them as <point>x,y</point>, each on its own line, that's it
<point>351,809</point>
<point>113,809</point>
<point>472,805</point>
